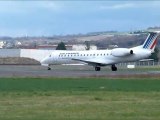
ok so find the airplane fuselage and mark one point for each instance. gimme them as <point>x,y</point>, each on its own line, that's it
<point>98,58</point>
<point>67,57</point>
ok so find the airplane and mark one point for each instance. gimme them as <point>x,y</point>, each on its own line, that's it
<point>101,58</point>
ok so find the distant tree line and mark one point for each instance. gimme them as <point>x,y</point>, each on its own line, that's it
<point>61,46</point>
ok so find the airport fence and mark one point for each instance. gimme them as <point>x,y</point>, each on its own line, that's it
<point>140,63</point>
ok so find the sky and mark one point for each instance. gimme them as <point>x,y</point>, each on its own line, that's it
<point>48,18</point>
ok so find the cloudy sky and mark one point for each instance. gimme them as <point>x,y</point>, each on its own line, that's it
<point>46,18</point>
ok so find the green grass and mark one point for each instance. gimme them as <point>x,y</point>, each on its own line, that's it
<point>79,99</point>
<point>78,84</point>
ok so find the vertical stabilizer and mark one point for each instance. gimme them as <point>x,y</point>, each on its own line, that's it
<point>151,41</point>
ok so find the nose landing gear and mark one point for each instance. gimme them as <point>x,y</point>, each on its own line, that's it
<point>49,68</point>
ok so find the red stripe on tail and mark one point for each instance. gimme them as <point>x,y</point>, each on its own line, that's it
<point>154,44</point>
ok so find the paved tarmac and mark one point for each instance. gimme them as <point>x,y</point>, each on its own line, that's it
<point>74,71</point>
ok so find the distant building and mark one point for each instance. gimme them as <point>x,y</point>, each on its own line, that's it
<point>2,44</point>
<point>112,46</point>
<point>52,47</point>
<point>83,47</point>
<point>9,45</point>
<point>17,43</point>
<point>68,47</point>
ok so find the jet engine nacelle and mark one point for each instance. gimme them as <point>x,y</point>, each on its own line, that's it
<point>120,52</point>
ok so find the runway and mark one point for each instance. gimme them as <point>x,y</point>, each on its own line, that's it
<point>74,71</point>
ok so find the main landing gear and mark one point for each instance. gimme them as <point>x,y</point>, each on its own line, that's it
<point>97,68</point>
<point>114,68</point>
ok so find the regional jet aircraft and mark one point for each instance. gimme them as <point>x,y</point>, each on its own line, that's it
<point>99,58</point>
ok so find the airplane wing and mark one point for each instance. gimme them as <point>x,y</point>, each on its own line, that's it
<point>99,62</point>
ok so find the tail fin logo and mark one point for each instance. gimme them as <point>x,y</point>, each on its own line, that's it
<point>150,41</point>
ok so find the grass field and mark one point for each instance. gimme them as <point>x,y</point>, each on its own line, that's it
<point>79,99</point>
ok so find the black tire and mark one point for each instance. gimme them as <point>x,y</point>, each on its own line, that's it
<point>114,68</point>
<point>49,68</point>
<point>97,68</point>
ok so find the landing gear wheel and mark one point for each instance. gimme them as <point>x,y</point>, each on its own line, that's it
<point>97,68</point>
<point>114,68</point>
<point>49,68</point>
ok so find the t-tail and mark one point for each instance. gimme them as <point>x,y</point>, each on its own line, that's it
<point>151,40</point>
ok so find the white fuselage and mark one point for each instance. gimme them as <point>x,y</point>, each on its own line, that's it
<point>104,57</point>
<point>98,58</point>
